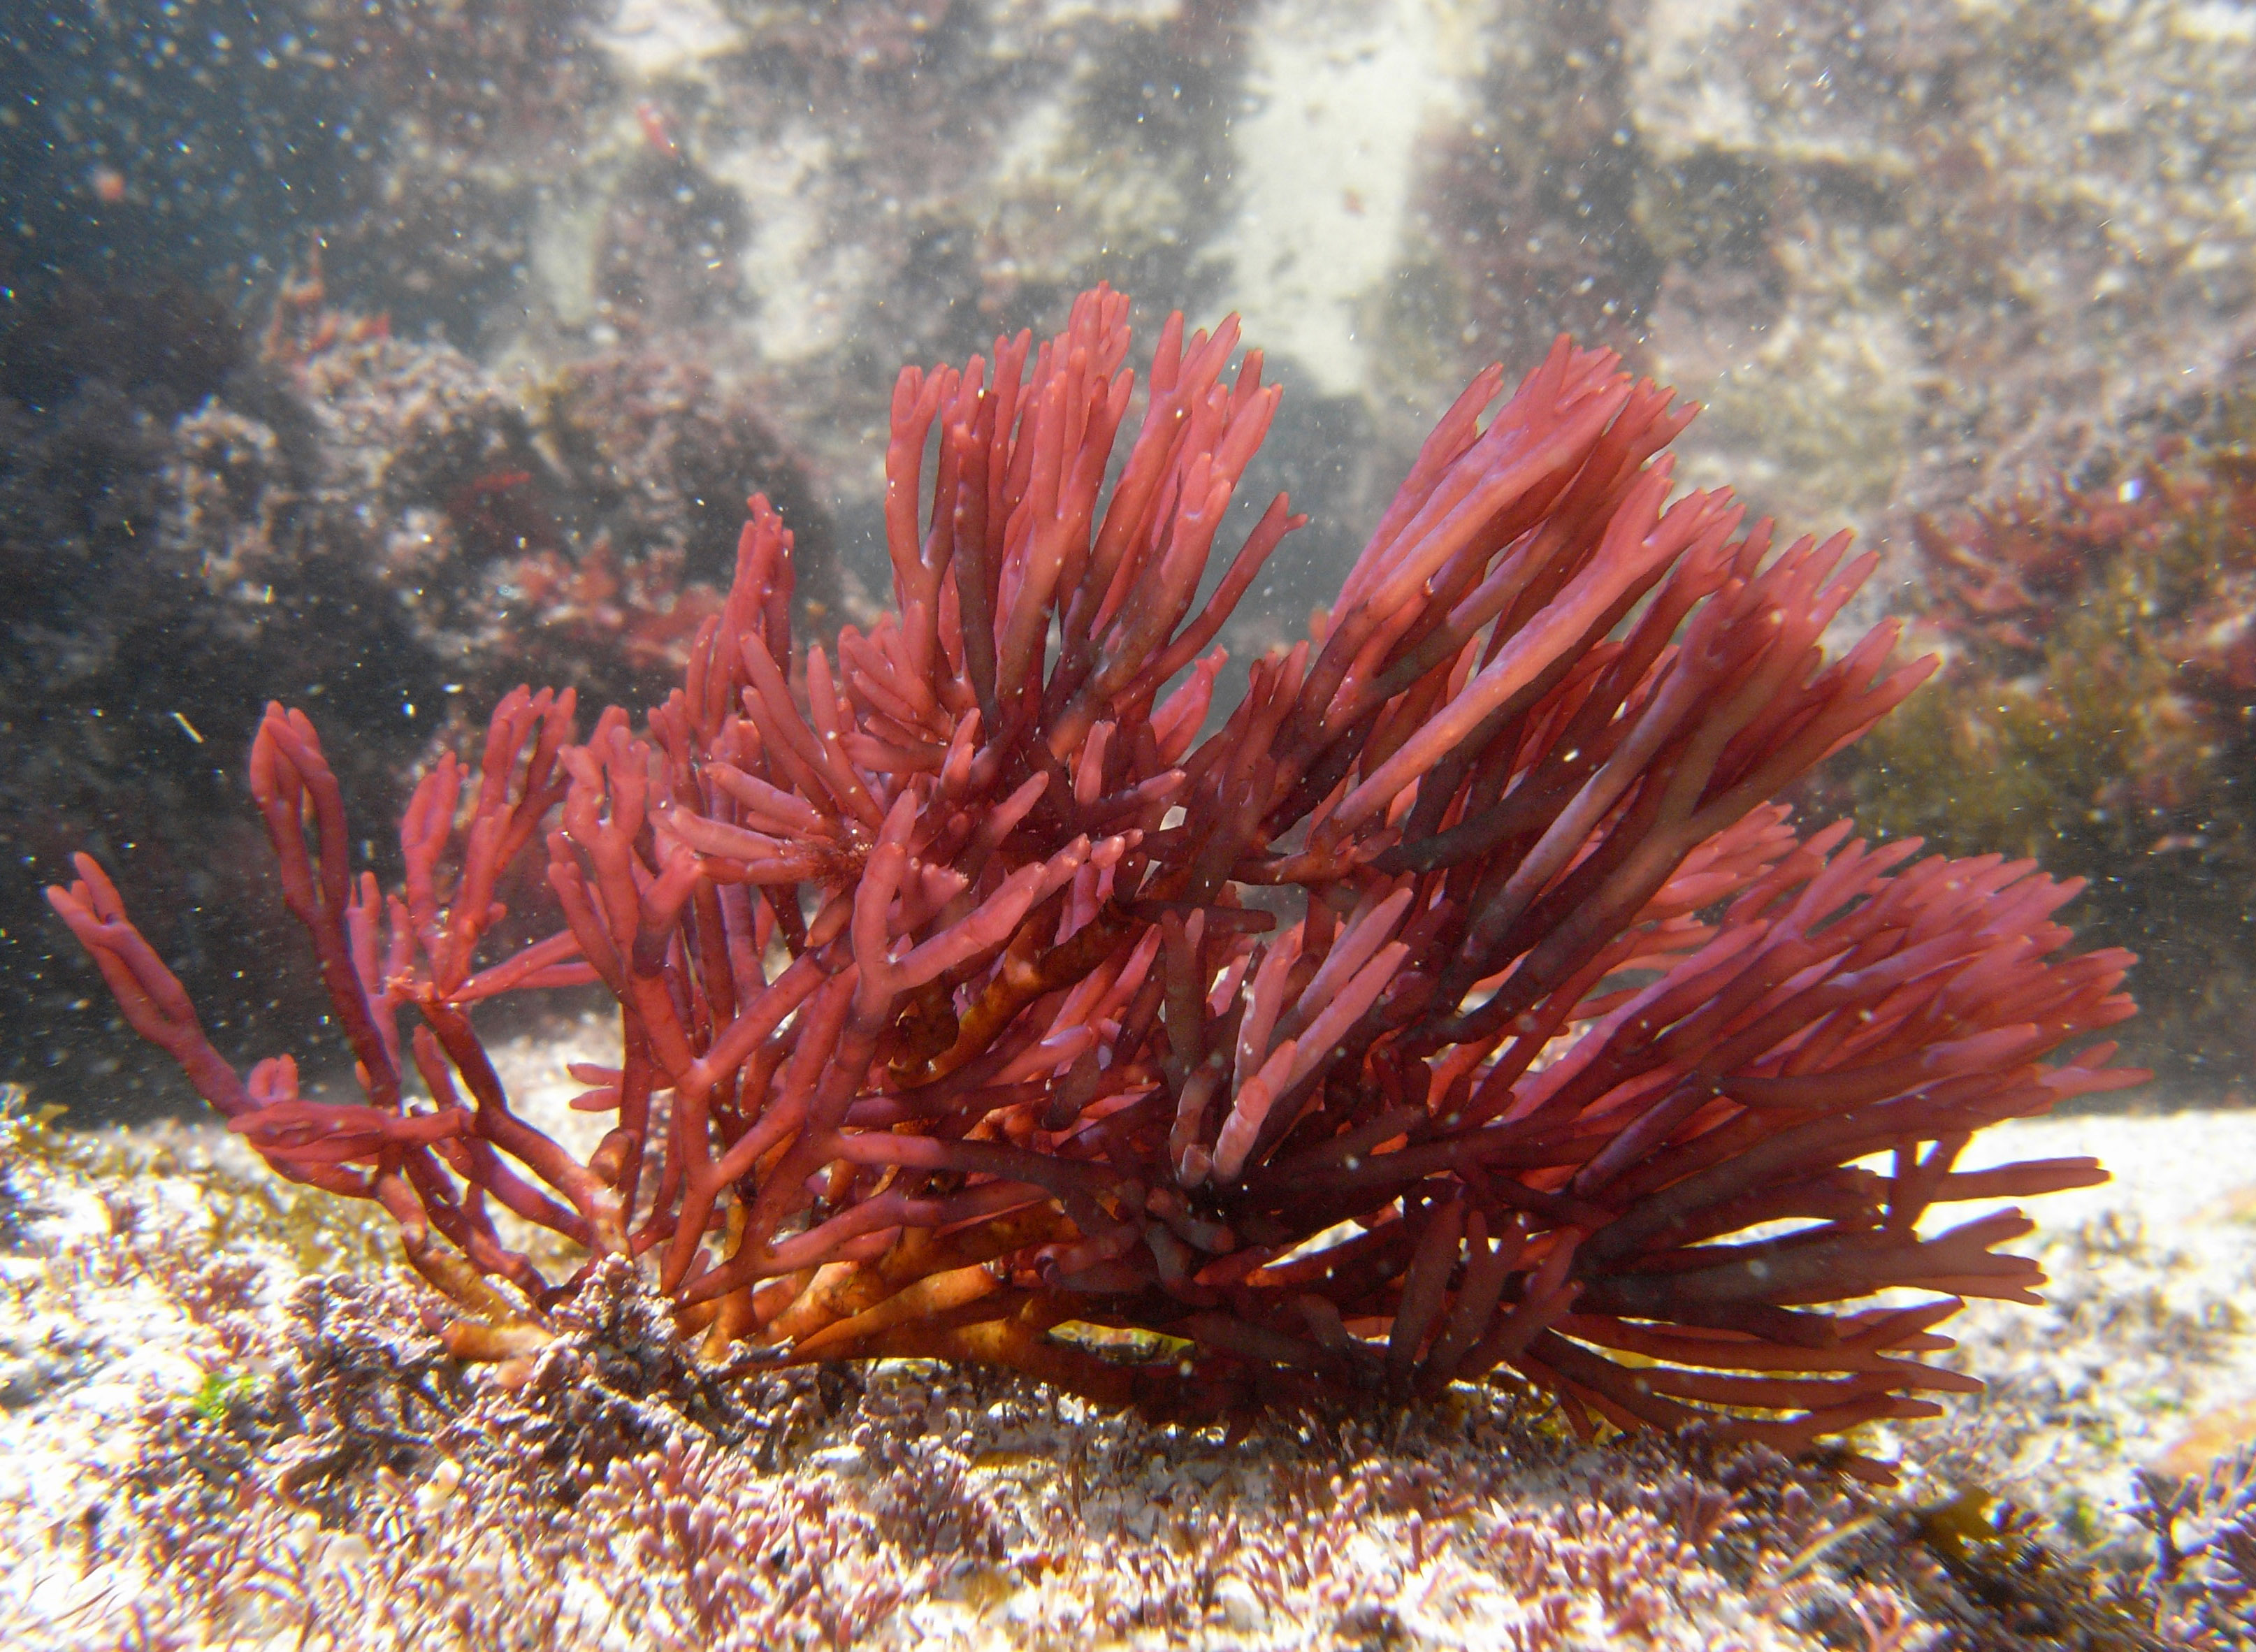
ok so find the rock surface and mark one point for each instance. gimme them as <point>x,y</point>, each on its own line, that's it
<point>214,1434</point>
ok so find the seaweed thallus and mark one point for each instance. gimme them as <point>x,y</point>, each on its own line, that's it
<point>1461,1003</point>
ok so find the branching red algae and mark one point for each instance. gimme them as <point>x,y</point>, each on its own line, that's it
<point>966,991</point>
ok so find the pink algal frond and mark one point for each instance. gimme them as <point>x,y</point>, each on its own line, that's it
<point>1459,1001</point>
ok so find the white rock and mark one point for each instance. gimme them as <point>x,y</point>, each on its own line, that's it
<point>1240,1608</point>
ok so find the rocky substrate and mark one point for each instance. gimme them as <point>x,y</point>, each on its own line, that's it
<point>229,1424</point>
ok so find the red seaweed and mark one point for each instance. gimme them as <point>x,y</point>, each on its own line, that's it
<point>1463,1000</point>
